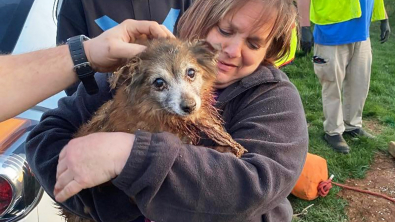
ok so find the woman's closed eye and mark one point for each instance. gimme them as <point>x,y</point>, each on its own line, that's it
<point>224,32</point>
<point>253,45</point>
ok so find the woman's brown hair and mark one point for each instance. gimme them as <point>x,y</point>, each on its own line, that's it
<point>203,15</point>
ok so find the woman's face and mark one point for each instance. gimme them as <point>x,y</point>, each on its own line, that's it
<point>243,46</point>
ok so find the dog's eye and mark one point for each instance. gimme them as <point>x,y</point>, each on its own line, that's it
<point>191,73</point>
<point>159,83</point>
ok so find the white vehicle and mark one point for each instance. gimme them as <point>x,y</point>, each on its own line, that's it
<point>25,25</point>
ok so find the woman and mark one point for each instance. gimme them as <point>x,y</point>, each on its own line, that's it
<point>171,181</point>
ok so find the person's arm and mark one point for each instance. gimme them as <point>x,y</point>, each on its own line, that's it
<point>306,40</point>
<point>171,181</point>
<point>54,131</point>
<point>304,12</point>
<point>27,79</point>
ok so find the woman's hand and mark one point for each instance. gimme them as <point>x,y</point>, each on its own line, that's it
<point>109,50</point>
<point>91,160</point>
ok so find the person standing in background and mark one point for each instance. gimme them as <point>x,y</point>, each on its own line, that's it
<point>342,60</point>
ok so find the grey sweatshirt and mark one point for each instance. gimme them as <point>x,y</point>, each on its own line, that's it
<point>171,181</point>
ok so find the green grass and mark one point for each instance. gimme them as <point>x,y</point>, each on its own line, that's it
<point>379,107</point>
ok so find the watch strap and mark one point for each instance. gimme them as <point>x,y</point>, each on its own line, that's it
<point>81,64</point>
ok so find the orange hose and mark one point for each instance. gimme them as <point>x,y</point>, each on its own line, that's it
<point>325,186</point>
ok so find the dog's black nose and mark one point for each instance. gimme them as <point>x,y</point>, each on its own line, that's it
<point>188,105</point>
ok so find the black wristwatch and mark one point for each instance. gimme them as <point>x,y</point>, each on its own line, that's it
<point>81,65</point>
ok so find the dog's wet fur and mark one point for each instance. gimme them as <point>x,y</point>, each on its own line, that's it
<point>167,88</point>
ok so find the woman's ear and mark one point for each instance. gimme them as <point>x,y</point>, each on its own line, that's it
<point>124,75</point>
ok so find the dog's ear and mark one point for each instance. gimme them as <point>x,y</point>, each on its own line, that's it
<point>124,75</point>
<point>206,55</point>
<point>205,50</point>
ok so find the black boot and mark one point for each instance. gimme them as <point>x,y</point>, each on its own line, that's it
<point>359,132</point>
<point>337,143</point>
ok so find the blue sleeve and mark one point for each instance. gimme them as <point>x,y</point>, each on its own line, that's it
<point>48,138</point>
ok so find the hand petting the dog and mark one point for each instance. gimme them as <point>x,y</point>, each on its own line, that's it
<point>108,50</point>
<point>87,161</point>
<point>54,67</point>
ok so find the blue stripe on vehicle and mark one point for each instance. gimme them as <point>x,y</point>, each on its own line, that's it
<point>171,19</point>
<point>105,22</point>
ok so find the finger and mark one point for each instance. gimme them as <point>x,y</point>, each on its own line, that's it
<point>62,153</point>
<point>127,50</point>
<point>156,31</point>
<point>152,29</point>
<point>62,166</point>
<point>384,37</point>
<point>56,191</point>
<point>141,40</point>
<point>169,34</point>
<point>136,28</point>
<point>63,180</point>
<point>68,191</point>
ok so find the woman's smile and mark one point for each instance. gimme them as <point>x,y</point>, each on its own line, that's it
<point>226,67</point>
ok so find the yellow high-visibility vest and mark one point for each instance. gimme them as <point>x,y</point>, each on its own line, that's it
<point>325,12</point>
<point>378,10</point>
<point>290,56</point>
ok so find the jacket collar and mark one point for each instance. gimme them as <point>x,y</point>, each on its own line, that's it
<point>263,74</point>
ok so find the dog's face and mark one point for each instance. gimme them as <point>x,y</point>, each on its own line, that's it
<point>172,76</point>
<point>176,88</point>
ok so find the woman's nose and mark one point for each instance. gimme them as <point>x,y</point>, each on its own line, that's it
<point>233,48</point>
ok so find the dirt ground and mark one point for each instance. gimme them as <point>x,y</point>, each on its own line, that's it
<point>380,178</point>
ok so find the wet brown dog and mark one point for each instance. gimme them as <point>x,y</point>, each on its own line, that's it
<point>169,87</point>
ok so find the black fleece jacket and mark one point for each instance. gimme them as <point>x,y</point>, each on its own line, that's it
<point>171,181</point>
<point>78,17</point>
